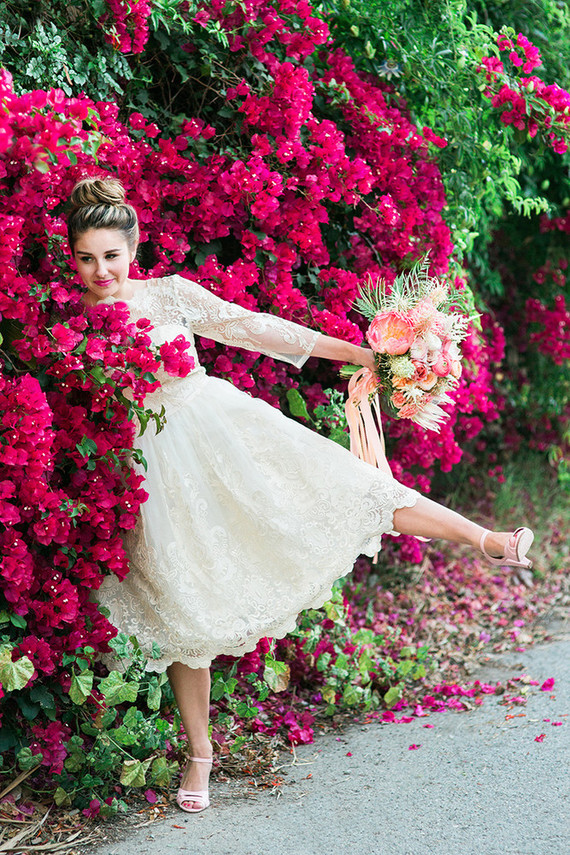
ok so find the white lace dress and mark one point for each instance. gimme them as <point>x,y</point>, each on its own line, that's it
<point>251,516</point>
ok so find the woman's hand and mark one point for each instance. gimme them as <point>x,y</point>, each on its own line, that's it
<point>366,359</point>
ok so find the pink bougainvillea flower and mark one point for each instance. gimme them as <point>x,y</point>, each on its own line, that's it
<point>429,135</point>
<point>540,738</point>
<point>548,685</point>
<point>93,809</point>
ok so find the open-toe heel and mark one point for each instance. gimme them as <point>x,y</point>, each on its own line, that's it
<point>516,549</point>
<point>200,797</point>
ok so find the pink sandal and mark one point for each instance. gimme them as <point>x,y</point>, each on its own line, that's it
<point>200,796</point>
<point>516,549</point>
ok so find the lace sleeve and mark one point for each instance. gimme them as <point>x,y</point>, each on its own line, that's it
<point>228,323</point>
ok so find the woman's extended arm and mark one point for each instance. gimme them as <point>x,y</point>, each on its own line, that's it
<point>231,324</point>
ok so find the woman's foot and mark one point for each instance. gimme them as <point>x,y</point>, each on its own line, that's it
<point>193,795</point>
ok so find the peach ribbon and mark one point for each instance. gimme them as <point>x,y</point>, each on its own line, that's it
<point>364,419</point>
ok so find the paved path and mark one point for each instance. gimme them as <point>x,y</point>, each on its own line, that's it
<point>479,785</point>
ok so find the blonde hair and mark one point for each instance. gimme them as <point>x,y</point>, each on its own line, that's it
<point>99,203</point>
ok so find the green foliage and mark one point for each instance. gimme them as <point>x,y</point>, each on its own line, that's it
<point>60,45</point>
<point>130,737</point>
<point>375,673</point>
<point>430,53</point>
<point>330,418</point>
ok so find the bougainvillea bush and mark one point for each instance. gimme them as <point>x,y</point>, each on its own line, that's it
<point>300,177</point>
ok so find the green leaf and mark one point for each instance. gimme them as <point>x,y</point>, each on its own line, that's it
<point>41,166</point>
<point>405,667</point>
<point>133,773</point>
<point>323,661</point>
<point>161,771</point>
<point>154,697</point>
<point>122,645</point>
<point>340,436</point>
<point>407,652</point>
<point>86,447</point>
<point>41,695</point>
<point>393,695</point>
<point>276,674</point>
<point>14,675</point>
<point>132,717</point>
<point>61,798</point>
<point>365,665</point>
<point>329,694</point>
<point>155,651</point>
<point>351,695</point>
<point>124,736</point>
<point>237,744</point>
<point>8,737</point>
<point>27,760</point>
<point>116,691</point>
<point>73,762</point>
<point>29,709</point>
<point>297,405</point>
<point>81,686</point>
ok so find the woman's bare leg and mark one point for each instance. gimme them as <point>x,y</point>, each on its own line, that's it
<point>191,687</point>
<point>430,519</point>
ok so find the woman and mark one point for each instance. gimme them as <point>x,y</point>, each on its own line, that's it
<point>251,517</point>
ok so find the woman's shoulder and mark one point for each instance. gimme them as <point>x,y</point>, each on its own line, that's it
<point>171,281</point>
<point>154,284</point>
<point>165,288</point>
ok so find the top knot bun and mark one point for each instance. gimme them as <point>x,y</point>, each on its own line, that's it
<point>97,191</point>
<point>99,203</point>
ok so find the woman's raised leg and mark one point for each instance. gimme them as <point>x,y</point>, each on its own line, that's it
<point>191,687</point>
<point>430,519</point>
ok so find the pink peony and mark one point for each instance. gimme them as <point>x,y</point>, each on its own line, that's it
<point>390,333</point>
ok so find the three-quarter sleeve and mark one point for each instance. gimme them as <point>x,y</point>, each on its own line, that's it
<point>210,316</point>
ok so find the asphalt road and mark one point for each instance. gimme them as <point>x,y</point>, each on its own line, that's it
<point>480,784</point>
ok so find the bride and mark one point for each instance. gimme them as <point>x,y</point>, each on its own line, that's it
<point>251,516</point>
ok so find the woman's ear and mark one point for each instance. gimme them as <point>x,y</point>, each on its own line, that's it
<point>133,253</point>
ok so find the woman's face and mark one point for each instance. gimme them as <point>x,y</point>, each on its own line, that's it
<point>103,258</point>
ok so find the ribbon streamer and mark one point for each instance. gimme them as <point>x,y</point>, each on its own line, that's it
<point>364,419</point>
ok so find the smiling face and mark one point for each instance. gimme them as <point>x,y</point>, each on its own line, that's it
<point>103,258</point>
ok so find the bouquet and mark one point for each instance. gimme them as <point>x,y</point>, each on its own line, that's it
<point>415,335</point>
